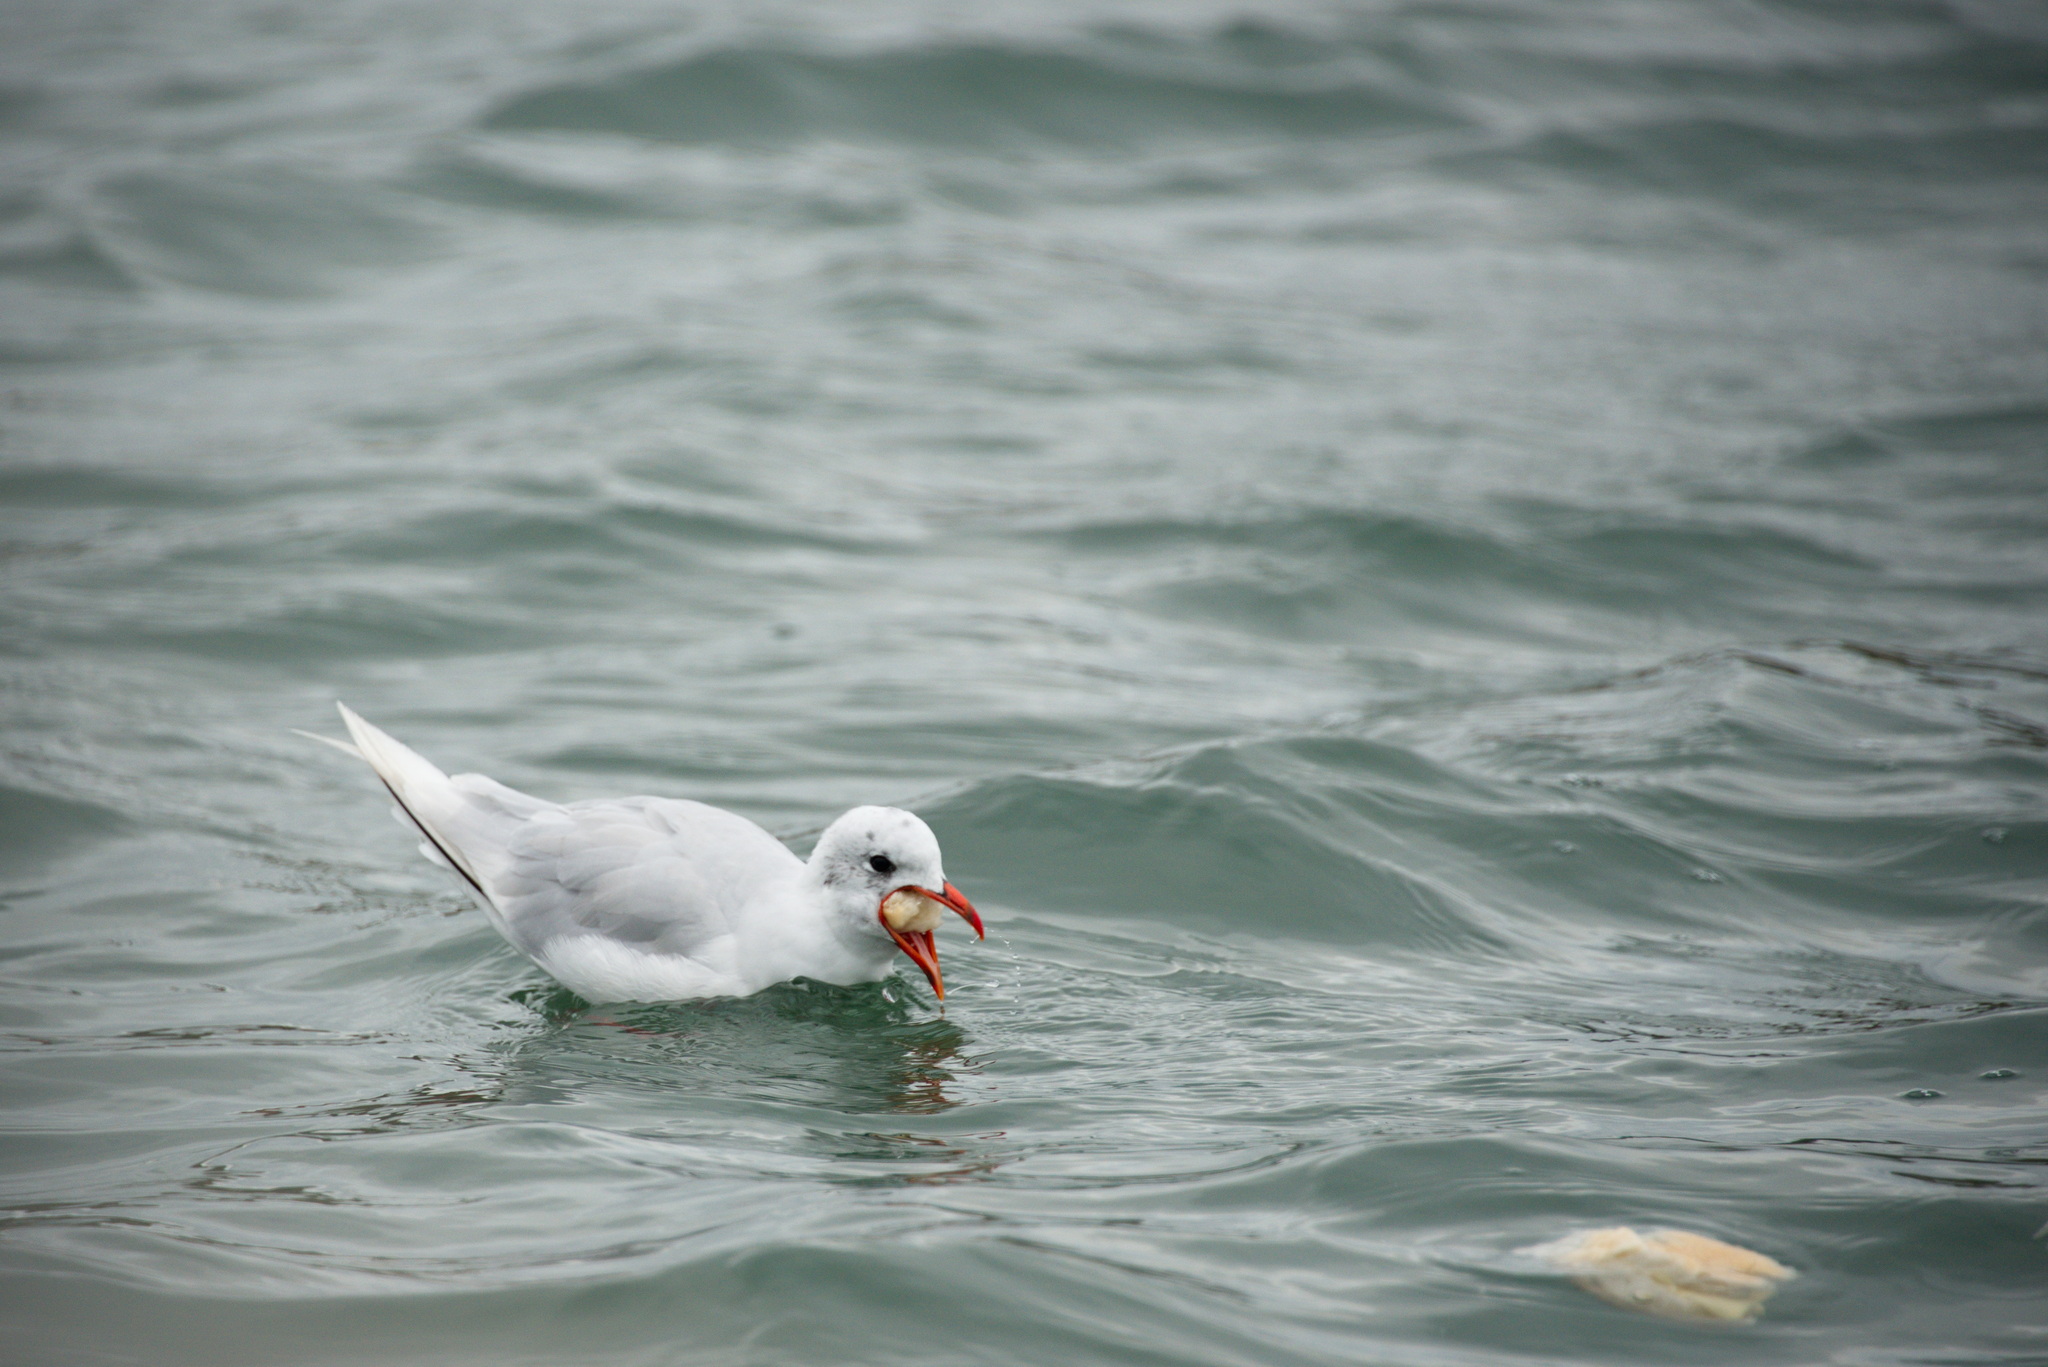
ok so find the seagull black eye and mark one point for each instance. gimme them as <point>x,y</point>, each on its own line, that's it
<point>882,863</point>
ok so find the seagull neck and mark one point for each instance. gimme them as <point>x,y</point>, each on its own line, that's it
<point>845,916</point>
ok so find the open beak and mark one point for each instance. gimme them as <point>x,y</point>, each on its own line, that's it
<point>957,900</point>
<point>921,945</point>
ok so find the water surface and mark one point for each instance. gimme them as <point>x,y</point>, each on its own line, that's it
<point>1463,583</point>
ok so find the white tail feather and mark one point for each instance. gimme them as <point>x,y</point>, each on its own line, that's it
<point>340,745</point>
<point>422,791</point>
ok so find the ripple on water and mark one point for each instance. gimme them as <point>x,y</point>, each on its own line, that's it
<point>275,233</point>
<point>1464,582</point>
<point>1094,93</point>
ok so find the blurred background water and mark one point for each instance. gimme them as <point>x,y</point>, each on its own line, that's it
<point>1464,581</point>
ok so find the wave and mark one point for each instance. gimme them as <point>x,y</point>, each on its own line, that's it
<point>36,827</point>
<point>1722,793</point>
<point>467,177</point>
<point>2004,432</point>
<point>68,260</point>
<point>1232,839</point>
<point>85,486</point>
<point>1534,572</point>
<point>270,232</point>
<point>978,95</point>
<point>361,624</point>
<point>1766,166</point>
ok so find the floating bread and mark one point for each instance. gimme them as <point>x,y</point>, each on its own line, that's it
<point>1668,1272</point>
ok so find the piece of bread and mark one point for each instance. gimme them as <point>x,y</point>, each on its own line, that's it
<point>1668,1272</point>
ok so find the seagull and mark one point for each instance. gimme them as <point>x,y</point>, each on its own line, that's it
<point>660,899</point>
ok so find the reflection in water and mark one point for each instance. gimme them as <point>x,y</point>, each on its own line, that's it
<point>798,1049</point>
<point>853,1049</point>
<point>917,1085</point>
<point>967,1165</point>
<point>653,1111</point>
<point>426,1103</point>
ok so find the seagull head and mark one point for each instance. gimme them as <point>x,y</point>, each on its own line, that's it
<point>880,866</point>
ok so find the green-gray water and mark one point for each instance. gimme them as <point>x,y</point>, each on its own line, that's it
<point>1466,585</point>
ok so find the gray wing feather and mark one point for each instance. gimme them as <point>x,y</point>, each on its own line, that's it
<point>659,874</point>
<point>663,875</point>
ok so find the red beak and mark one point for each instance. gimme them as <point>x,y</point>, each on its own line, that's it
<point>957,900</point>
<point>921,945</point>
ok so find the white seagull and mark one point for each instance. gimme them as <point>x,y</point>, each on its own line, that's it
<point>660,899</point>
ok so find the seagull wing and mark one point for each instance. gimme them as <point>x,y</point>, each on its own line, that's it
<point>628,898</point>
<point>655,875</point>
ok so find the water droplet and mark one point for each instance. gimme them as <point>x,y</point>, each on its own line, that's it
<point>1564,847</point>
<point>1994,835</point>
<point>1706,875</point>
<point>1997,1074</point>
<point>1920,1094</point>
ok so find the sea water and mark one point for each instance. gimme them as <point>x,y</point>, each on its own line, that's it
<point>1463,582</point>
